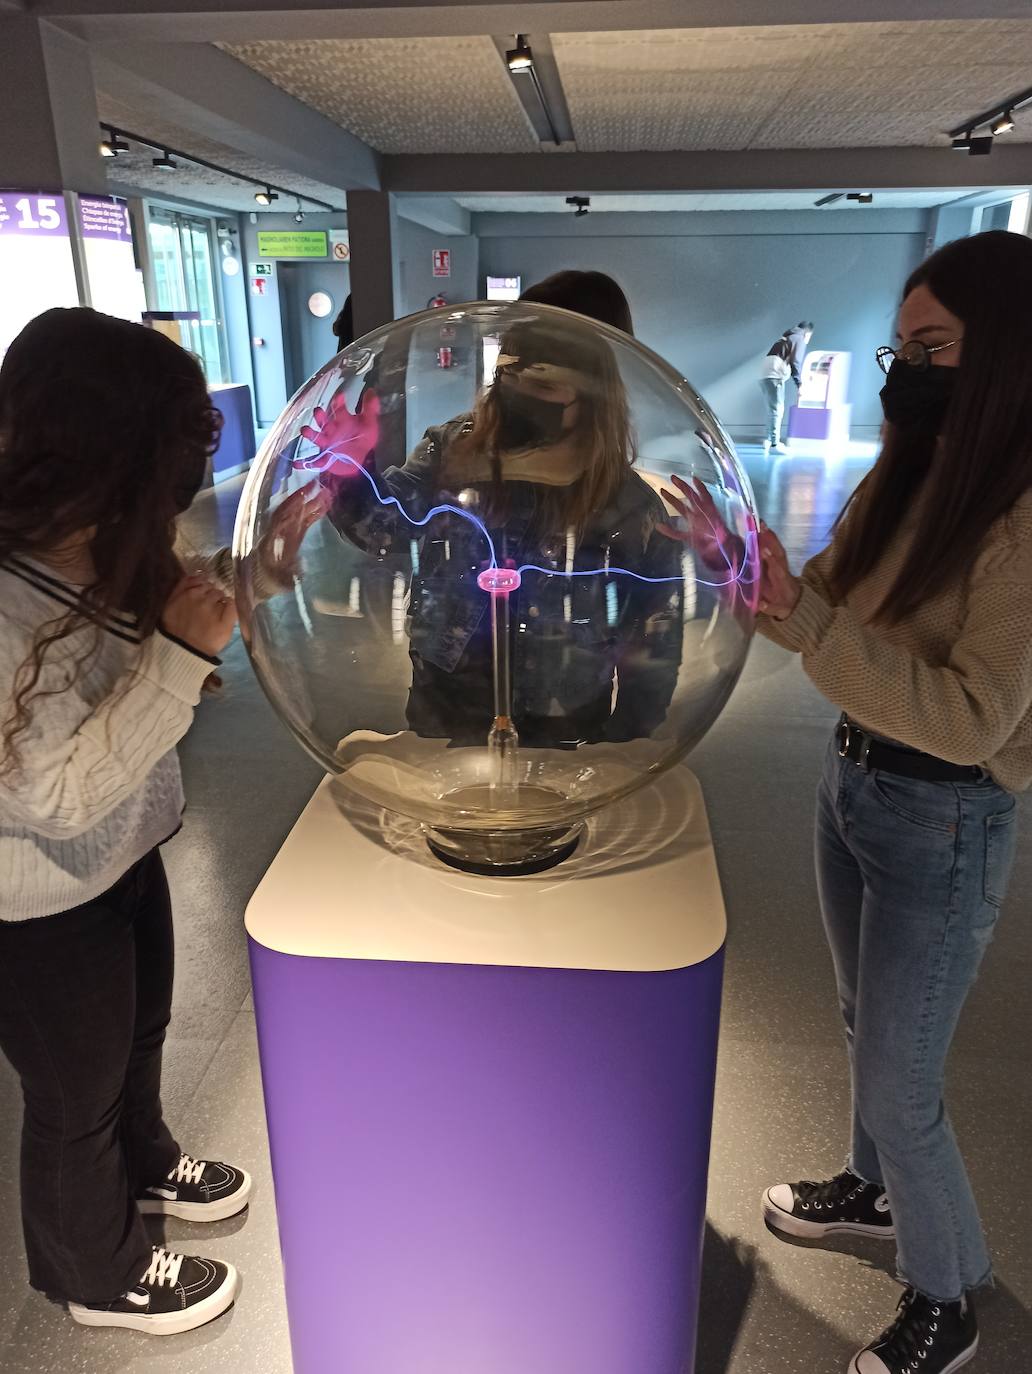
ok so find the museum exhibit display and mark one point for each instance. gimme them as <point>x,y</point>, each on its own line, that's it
<point>487,960</point>
<point>822,411</point>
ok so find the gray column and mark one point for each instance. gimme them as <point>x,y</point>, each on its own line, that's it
<point>48,109</point>
<point>372,233</point>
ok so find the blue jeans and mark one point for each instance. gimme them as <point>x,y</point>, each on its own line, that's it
<point>911,878</point>
<point>774,395</point>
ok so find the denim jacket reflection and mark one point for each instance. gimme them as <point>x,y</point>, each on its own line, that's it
<point>593,658</point>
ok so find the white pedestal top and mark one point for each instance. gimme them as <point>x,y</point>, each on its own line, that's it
<point>641,894</point>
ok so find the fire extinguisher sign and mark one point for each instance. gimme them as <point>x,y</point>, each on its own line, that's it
<point>442,262</point>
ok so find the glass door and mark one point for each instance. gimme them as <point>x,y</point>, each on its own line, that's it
<point>182,257</point>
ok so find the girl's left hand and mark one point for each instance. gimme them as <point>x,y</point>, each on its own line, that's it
<point>780,590</point>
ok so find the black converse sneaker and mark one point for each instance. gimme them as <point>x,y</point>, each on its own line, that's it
<point>934,1337</point>
<point>844,1203</point>
<point>177,1293</point>
<point>198,1191</point>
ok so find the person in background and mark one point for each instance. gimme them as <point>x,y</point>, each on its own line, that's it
<point>106,429</point>
<point>344,326</point>
<point>784,360</point>
<point>587,293</point>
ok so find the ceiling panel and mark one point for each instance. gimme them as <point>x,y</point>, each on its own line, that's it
<point>792,86</point>
<point>689,201</point>
<point>403,95</point>
<point>197,183</point>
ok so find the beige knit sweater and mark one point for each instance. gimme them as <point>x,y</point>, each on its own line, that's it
<point>955,678</point>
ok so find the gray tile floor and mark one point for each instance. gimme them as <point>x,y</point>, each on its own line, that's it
<point>768,1307</point>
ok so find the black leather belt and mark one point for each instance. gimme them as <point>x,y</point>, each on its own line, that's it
<point>867,753</point>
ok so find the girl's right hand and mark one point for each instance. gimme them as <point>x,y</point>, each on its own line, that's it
<point>201,615</point>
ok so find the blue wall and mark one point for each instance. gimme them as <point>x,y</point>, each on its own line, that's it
<point>710,291</point>
<point>415,280</point>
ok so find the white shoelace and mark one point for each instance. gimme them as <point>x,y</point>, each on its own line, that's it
<point>188,1170</point>
<point>164,1268</point>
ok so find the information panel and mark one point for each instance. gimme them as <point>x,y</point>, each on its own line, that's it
<point>116,285</point>
<point>36,265</point>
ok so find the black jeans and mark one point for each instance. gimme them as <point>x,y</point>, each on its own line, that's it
<point>85,998</point>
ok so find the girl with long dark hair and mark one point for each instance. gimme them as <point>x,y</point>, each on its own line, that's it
<point>917,623</point>
<point>106,430</point>
<point>545,461</point>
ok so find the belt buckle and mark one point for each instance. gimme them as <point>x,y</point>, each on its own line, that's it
<point>846,734</point>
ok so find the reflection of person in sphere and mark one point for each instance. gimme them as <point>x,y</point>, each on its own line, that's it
<point>544,464</point>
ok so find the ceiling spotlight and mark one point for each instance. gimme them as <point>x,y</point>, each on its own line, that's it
<point>963,143</point>
<point>164,163</point>
<point>861,197</point>
<point>520,58</point>
<point>981,147</point>
<point>113,145</point>
<point>1004,124</point>
<point>266,197</point>
<point>581,204</point>
<point>299,214</point>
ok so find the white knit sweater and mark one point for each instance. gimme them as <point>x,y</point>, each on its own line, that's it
<point>98,784</point>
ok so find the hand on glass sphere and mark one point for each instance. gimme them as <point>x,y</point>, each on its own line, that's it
<point>288,525</point>
<point>703,528</point>
<point>780,590</point>
<point>344,440</point>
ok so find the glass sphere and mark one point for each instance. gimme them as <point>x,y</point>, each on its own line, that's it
<point>497,568</point>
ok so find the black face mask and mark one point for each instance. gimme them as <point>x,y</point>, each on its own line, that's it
<point>527,421</point>
<point>916,399</point>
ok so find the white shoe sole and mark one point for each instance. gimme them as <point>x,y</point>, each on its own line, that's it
<point>165,1323</point>
<point>962,1359</point>
<point>813,1230</point>
<point>199,1211</point>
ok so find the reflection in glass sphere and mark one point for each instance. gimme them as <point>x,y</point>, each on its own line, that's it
<point>463,589</point>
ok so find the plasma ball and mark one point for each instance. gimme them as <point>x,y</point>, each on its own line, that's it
<point>499,581</point>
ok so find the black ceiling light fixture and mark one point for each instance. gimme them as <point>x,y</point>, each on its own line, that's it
<point>997,120</point>
<point>830,199</point>
<point>167,161</point>
<point>520,58</point>
<point>299,214</point>
<point>520,61</point>
<point>581,205</point>
<point>861,197</point>
<point>112,145</point>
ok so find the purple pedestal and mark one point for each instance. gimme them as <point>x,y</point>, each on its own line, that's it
<point>488,1170</point>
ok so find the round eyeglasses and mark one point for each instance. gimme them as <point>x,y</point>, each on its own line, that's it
<point>914,353</point>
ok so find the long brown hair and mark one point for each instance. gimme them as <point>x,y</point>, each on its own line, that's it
<point>106,428</point>
<point>982,458</point>
<point>602,435</point>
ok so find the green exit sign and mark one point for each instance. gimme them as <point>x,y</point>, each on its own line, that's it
<point>292,243</point>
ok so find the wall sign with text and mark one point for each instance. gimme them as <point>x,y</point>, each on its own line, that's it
<point>442,262</point>
<point>292,243</point>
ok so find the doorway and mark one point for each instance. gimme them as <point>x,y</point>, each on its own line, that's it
<point>308,339</point>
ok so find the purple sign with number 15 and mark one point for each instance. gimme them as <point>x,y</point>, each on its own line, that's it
<point>22,212</point>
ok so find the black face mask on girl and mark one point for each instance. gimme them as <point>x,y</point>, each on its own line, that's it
<point>916,399</point>
<point>527,421</point>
